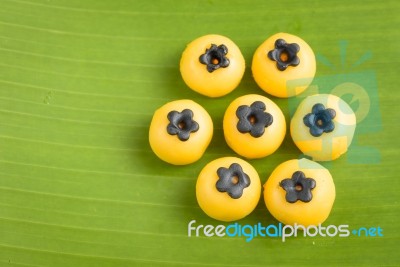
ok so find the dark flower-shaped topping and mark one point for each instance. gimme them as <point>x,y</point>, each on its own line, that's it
<point>320,120</point>
<point>215,58</point>
<point>232,180</point>
<point>284,54</point>
<point>298,187</point>
<point>253,119</point>
<point>182,124</point>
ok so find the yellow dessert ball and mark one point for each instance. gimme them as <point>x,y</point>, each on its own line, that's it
<point>228,189</point>
<point>323,127</point>
<point>300,192</point>
<point>212,65</point>
<point>284,65</point>
<point>180,132</point>
<point>254,126</point>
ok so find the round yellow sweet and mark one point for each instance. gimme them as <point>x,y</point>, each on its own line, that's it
<point>221,205</point>
<point>315,211</point>
<point>220,81</point>
<point>245,144</point>
<point>291,81</point>
<point>169,147</point>
<point>329,145</point>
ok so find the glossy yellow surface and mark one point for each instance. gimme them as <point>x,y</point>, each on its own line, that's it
<point>311,213</point>
<point>290,82</point>
<point>243,143</point>
<point>168,147</point>
<point>219,82</point>
<point>328,146</point>
<point>219,205</point>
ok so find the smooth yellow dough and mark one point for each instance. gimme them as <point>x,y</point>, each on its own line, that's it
<point>291,81</point>
<point>329,145</point>
<point>222,80</point>
<point>244,143</point>
<point>313,212</point>
<point>169,147</point>
<point>220,205</point>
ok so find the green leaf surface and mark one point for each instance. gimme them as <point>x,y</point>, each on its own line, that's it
<point>79,82</point>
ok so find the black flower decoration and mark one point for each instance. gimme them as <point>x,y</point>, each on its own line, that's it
<point>284,54</point>
<point>232,180</point>
<point>215,57</point>
<point>320,120</point>
<point>253,119</point>
<point>298,187</point>
<point>182,124</point>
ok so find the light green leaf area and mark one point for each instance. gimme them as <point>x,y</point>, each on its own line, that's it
<point>79,82</point>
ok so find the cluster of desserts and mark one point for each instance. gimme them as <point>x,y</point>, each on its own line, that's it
<point>298,191</point>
